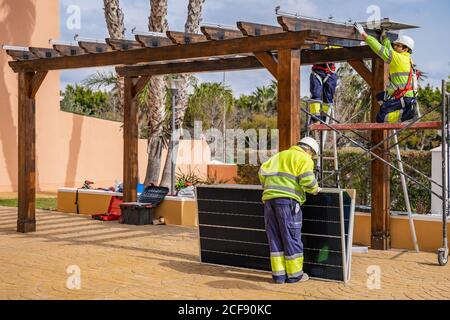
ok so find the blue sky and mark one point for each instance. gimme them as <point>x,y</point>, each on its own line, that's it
<point>432,53</point>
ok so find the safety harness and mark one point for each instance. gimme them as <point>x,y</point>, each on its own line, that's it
<point>329,69</point>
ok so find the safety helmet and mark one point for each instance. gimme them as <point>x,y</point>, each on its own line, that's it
<point>311,143</point>
<point>406,41</point>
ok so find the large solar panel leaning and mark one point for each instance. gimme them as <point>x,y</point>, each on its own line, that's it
<point>232,230</point>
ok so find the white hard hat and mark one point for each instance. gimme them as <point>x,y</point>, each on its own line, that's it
<point>406,41</point>
<point>310,142</point>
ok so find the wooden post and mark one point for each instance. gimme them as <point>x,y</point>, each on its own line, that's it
<point>130,142</point>
<point>380,239</point>
<point>288,97</point>
<point>26,220</point>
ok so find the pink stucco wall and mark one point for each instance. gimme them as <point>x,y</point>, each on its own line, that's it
<point>69,148</point>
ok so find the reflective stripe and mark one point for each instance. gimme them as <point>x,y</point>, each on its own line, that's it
<point>399,74</point>
<point>294,267</point>
<point>280,188</point>
<point>381,51</point>
<point>277,254</point>
<point>314,108</point>
<point>278,174</point>
<point>393,117</point>
<point>295,256</point>
<point>312,184</point>
<point>306,174</point>
<point>295,275</point>
<point>278,264</point>
<point>391,56</point>
<point>279,273</point>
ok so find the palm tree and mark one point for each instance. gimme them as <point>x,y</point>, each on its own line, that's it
<point>192,25</point>
<point>156,102</point>
<point>116,29</point>
<point>114,19</point>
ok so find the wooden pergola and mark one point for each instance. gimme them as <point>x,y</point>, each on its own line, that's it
<point>279,49</point>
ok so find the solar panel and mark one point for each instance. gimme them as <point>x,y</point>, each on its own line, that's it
<point>232,230</point>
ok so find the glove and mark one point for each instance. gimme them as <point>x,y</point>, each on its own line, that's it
<point>319,189</point>
<point>359,28</point>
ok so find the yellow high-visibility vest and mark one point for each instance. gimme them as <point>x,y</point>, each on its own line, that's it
<point>288,174</point>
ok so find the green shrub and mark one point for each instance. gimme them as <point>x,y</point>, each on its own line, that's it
<point>358,177</point>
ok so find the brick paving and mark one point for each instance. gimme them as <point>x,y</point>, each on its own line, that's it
<point>162,262</point>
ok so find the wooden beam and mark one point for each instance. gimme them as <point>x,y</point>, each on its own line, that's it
<point>377,126</point>
<point>380,239</point>
<point>185,38</point>
<point>130,142</point>
<point>337,55</point>
<point>153,41</point>
<point>229,64</point>
<point>308,57</point>
<point>139,85</point>
<point>20,55</point>
<point>26,221</point>
<point>94,47</point>
<point>288,97</point>
<point>215,33</point>
<point>66,50</point>
<point>189,51</point>
<point>36,82</point>
<point>44,53</point>
<point>362,70</point>
<point>250,29</point>
<point>120,44</point>
<point>328,29</point>
<point>268,61</point>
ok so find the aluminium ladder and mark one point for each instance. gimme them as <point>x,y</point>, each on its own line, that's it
<point>329,119</point>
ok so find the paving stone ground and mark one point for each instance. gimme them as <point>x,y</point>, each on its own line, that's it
<point>162,262</point>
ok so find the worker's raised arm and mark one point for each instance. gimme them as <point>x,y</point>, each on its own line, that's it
<point>385,52</point>
<point>307,179</point>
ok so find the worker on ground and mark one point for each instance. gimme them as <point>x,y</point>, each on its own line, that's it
<point>285,178</point>
<point>399,101</point>
<point>322,86</point>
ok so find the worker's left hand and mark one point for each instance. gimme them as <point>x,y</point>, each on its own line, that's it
<point>359,28</point>
<point>319,189</point>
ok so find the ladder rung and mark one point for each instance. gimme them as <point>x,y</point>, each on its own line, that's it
<point>328,158</point>
<point>326,171</point>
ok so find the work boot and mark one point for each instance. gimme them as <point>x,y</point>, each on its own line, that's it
<point>303,278</point>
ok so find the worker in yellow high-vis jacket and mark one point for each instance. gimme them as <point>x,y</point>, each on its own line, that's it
<point>285,178</point>
<point>398,102</point>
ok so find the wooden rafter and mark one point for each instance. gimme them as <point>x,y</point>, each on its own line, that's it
<point>215,33</point>
<point>185,38</point>
<point>94,47</point>
<point>153,41</point>
<point>123,45</point>
<point>250,29</point>
<point>67,50</point>
<point>44,53</point>
<point>20,55</point>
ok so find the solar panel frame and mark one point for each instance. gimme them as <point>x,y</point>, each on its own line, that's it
<point>246,244</point>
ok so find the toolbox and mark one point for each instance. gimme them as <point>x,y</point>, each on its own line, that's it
<point>142,212</point>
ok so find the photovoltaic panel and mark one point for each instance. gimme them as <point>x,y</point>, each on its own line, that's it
<point>232,230</point>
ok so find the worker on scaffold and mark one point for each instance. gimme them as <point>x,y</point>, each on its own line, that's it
<point>285,178</point>
<point>398,102</point>
<point>322,86</point>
